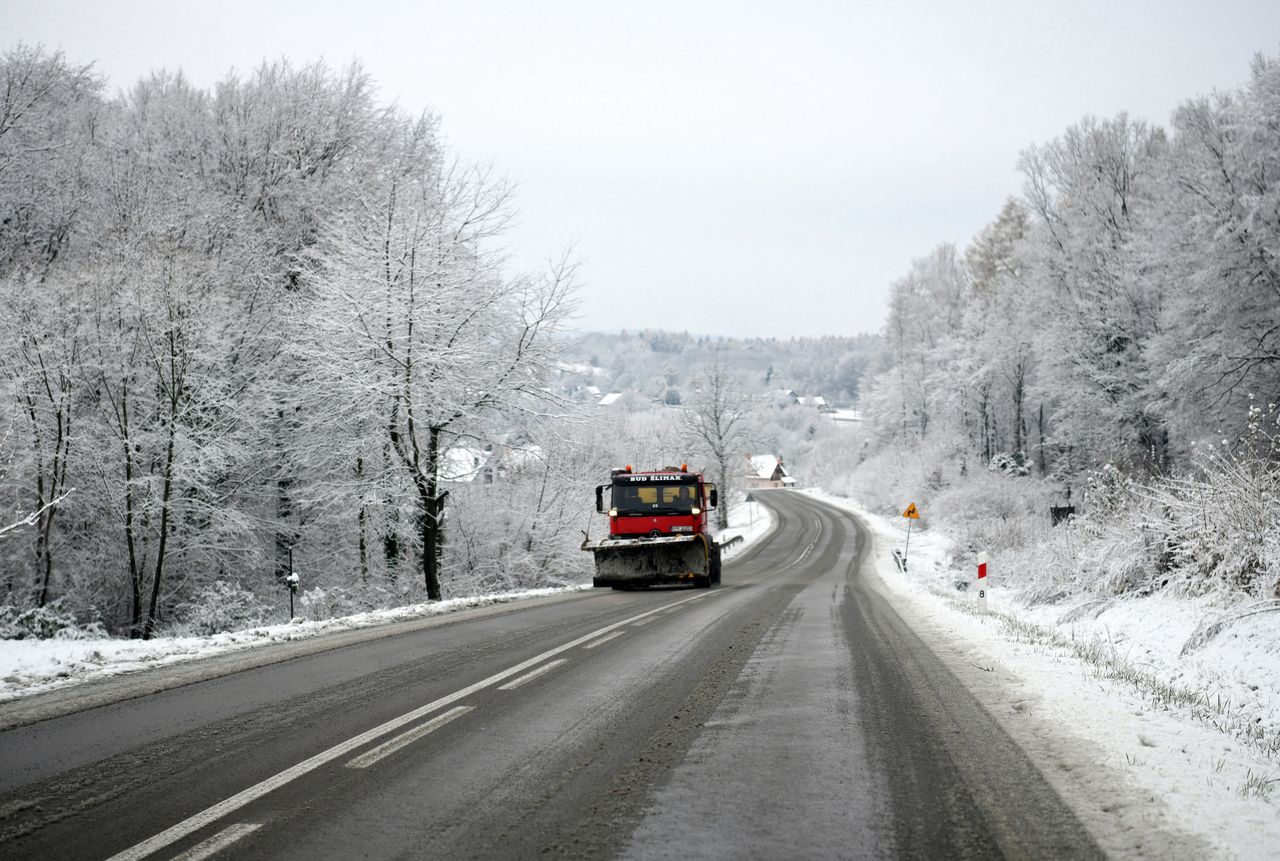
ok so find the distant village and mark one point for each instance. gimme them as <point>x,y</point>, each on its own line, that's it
<point>493,462</point>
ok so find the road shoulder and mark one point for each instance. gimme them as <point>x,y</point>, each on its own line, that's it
<point>80,694</point>
<point>1052,709</point>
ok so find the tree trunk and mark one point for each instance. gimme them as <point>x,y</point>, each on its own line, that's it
<point>722,510</point>
<point>985,421</point>
<point>391,537</point>
<point>161,546</point>
<point>45,495</point>
<point>429,517</point>
<point>284,538</point>
<point>1019,386</point>
<point>131,543</point>
<point>46,559</point>
<point>1044,470</point>
<point>427,530</point>
<point>130,516</point>
<point>362,526</point>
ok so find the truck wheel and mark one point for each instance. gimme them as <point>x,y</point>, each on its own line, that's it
<point>715,565</point>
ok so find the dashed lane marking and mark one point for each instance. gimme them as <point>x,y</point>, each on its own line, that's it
<point>606,638</point>
<point>533,674</point>
<point>218,842</point>
<point>226,807</point>
<point>387,748</point>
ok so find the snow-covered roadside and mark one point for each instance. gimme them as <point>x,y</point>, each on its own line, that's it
<point>750,520</point>
<point>1142,741</point>
<point>34,666</point>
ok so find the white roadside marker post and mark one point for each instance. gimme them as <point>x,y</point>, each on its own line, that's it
<point>982,582</point>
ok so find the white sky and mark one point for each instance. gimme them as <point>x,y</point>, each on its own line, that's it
<point>733,168</point>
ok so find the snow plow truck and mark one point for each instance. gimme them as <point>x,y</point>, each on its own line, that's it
<point>658,530</point>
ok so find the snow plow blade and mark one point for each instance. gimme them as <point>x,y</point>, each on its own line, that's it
<point>632,562</point>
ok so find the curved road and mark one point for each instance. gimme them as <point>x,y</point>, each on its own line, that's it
<point>789,713</point>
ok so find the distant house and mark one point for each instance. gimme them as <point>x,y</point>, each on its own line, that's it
<point>766,470</point>
<point>517,458</point>
<point>610,398</point>
<point>463,464</point>
<point>846,416</point>
<point>569,368</point>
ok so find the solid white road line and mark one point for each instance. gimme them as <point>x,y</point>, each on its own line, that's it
<point>387,748</point>
<point>530,676</point>
<point>606,638</point>
<point>218,842</point>
<point>253,793</point>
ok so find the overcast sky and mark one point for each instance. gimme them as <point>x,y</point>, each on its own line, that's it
<point>731,168</point>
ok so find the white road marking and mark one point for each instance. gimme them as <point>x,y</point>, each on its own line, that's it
<point>807,550</point>
<point>218,842</point>
<point>387,748</point>
<point>230,805</point>
<point>641,622</point>
<point>606,638</point>
<point>530,676</point>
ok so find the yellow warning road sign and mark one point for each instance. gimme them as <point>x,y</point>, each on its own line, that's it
<point>912,512</point>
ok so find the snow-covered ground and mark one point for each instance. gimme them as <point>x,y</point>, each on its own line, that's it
<point>1137,735</point>
<point>751,520</point>
<point>33,666</point>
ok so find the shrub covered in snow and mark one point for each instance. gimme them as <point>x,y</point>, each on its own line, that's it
<point>318,604</point>
<point>218,607</point>
<point>993,511</point>
<point>1010,464</point>
<point>52,621</point>
<point>895,475</point>
<point>1221,525</point>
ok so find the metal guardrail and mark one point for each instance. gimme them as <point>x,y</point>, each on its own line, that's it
<point>737,539</point>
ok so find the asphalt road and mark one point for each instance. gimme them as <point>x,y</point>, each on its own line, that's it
<point>789,713</point>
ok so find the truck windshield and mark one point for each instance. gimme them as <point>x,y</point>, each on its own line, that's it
<point>638,497</point>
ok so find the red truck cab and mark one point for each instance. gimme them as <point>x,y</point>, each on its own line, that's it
<point>651,504</point>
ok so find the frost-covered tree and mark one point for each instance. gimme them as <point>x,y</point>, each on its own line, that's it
<point>49,109</point>
<point>925,310</point>
<point>717,420</point>
<point>291,145</point>
<point>418,336</point>
<point>1092,193</point>
<point>1220,343</point>
<point>992,352</point>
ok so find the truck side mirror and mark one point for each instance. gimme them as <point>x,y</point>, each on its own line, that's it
<point>599,497</point>
<point>714,497</point>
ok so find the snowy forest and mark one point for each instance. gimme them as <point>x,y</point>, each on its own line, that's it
<point>239,329</point>
<point>1109,343</point>
<point>268,328</point>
